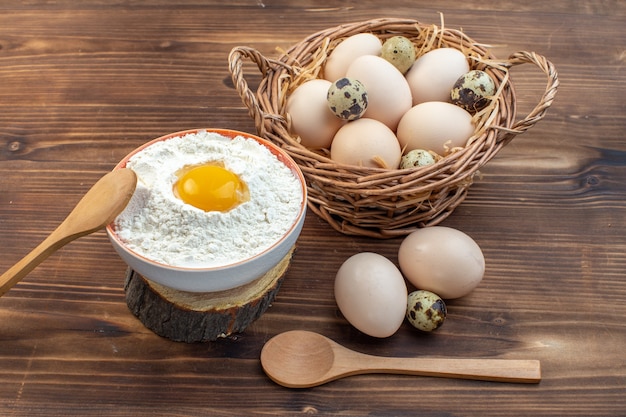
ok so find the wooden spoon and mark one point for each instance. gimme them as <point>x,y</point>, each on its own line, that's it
<point>302,359</point>
<point>99,207</point>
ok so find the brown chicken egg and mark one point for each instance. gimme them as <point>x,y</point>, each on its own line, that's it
<point>433,74</point>
<point>435,126</point>
<point>368,143</point>
<point>347,51</point>
<point>388,93</point>
<point>442,260</point>
<point>311,119</point>
<point>371,294</point>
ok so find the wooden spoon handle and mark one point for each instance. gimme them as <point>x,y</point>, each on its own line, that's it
<point>102,203</point>
<point>18,271</point>
<point>500,370</point>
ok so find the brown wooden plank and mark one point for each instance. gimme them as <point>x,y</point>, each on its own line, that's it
<point>83,83</point>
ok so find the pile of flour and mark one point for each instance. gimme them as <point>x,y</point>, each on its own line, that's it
<point>159,226</point>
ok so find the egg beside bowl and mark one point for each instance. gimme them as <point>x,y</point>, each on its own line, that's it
<point>201,274</point>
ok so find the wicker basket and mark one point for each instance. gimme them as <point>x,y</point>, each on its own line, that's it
<point>378,202</point>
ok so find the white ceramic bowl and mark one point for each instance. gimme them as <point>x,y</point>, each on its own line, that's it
<point>222,277</point>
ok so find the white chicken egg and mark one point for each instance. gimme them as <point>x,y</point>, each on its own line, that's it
<point>433,75</point>
<point>435,126</point>
<point>368,143</point>
<point>347,51</point>
<point>442,260</point>
<point>388,92</point>
<point>311,119</point>
<point>371,294</point>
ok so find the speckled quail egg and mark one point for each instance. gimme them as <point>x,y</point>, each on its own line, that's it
<point>347,98</point>
<point>400,51</point>
<point>472,91</point>
<point>426,311</point>
<point>417,158</point>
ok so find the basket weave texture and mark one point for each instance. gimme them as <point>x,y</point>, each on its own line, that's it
<point>377,202</point>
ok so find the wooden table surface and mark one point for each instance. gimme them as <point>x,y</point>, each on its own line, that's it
<point>83,83</point>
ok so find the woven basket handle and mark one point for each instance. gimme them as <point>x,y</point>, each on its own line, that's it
<point>547,98</point>
<point>249,98</point>
<point>266,65</point>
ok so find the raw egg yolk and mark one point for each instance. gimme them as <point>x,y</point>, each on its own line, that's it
<point>210,188</point>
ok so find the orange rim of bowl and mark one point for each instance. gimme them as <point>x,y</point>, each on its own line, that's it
<point>281,155</point>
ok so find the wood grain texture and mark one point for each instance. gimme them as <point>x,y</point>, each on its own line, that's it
<point>84,83</point>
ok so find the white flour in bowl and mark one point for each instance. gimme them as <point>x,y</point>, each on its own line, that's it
<point>159,226</point>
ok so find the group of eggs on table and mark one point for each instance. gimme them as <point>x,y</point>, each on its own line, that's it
<point>378,105</point>
<point>441,262</point>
